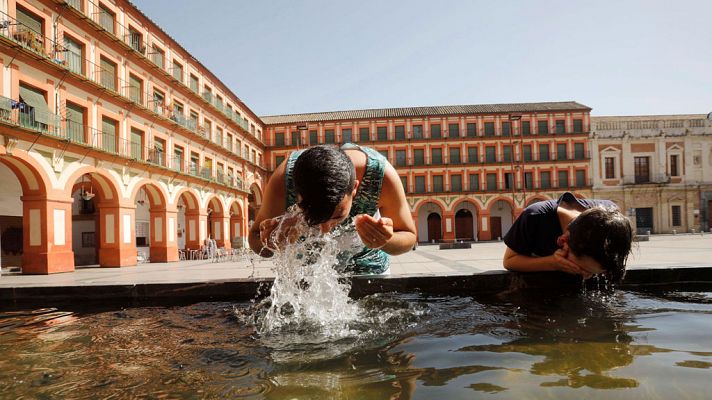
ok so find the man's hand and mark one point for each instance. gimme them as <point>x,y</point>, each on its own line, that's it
<point>374,233</point>
<point>288,231</point>
<point>564,264</point>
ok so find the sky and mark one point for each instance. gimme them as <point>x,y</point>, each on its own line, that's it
<point>296,56</point>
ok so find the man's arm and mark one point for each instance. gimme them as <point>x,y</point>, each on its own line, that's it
<point>273,204</point>
<point>395,206</point>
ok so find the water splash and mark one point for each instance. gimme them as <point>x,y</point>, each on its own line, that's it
<point>310,290</point>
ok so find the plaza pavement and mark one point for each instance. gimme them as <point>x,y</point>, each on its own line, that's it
<point>661,251</point>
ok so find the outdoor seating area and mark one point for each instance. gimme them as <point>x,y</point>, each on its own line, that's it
<point>219,255</point>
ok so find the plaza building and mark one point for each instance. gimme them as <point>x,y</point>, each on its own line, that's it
<point>656,167</point>
<point>468,171</point>
<point>116,144</point>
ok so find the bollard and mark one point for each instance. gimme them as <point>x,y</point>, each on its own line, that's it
<point>674,231</point>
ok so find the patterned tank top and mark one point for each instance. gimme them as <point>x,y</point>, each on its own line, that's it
<point>366,261</point>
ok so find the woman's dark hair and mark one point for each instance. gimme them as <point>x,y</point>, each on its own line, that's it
<point>323,175</point>
<point>605,235</point>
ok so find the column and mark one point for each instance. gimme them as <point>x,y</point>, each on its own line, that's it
<point>221,230</point>
<point>47,235</point>
<point>164,247</point>
<point>449,221</point>
<point>485,231</point>
<point>192,230</point>
<point>117,243</point>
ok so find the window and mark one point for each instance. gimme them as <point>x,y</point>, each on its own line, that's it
<point>560,127</point>
<point>208,129</point>
<point>404,182</point>
<point>453,131</point>
<point>136,40</point>
<point>228,142</point>
<point>194,163</point>
<point>109,130</point>
<point>472,156</point>
<point>384,153</point>
<point>528,180</point>
<point>508,180</point>
<point>545,179</point>
<point>578,126</point>
<point>279,139</point>
<point>400,132</point>
<point>418,157</point>
<point>491,182</point>
<point>471,130</point>
<point>193,121</point>
<point>561,151</point>
<point>346,136</point>
<point>674,171</point>
<point>563,179</point>
<point>438,183</point>
<point>506,128</point>
<point>642,169</point>
<point>455,155</point>
<point>456,183</point>
<point>363,135</point>
<point>435,131</point>
<point>177,71</point>
<point>136,144</point>
<point>436,156</point>
<point>474,182</point>
<point>526,128</point>
<point>543,127</point>
<point>135,89</point>
<point>74,56</point>
<point>158,56</point>
<point>296,138</point>
<point>610,170</point>
<point>489,129</point>
<point>580,178</point>
<point>579,153</point>
<point>400,158</point>
<point>75,123</point>
<point>194,85</point>
<point>676,216</point>
<point>178,112</point>
<point>417,131</point>
<point>108,74</point>
<point>278,160</point>
<point>543,152</point>
<point>159,100</point>
<point>158,152</point>
<point>177,158</point>
<point>28,21</point>
<point>382,133</point>
<point>507,153</point>
<point>313,138</point>
<point>419,184</point>
<point>329,136</point>
<point>106,19</point>
<point>527,150</point>
<point>490,154</point>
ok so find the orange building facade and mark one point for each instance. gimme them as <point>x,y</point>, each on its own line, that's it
<point>117,145</point>
<point>468,171</point>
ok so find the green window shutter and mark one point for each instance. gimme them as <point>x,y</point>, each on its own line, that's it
<point>36,98</point>
<point>29,21</point>
<point>75,123</point>
<point>108,74</point>
<point>108,131</point>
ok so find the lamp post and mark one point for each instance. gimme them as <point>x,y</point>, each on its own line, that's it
<point>512,118</point>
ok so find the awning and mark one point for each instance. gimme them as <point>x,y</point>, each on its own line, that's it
<point>38,102</point>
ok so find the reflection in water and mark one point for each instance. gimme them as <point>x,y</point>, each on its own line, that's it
<point>528,346</point>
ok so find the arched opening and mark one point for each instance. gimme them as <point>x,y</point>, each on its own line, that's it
<point>154,237</point>
<point>12,231</point>
<point>500,219</point>
<point>464,229</point>
<point>236,238</point>
<point>254,200</point>
<point>426,232</point>
<point>216,221</point>
<point>188,237</point>
<point>434,228</point>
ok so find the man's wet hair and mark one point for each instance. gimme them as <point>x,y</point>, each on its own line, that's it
<point>604,234</point>
<point>323,175</point>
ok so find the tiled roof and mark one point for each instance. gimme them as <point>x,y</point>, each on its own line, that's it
<point>424,111</point>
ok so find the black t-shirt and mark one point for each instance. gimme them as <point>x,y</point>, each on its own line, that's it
<point>537,229</point>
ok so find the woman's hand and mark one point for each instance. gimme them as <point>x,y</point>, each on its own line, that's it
<point>288,231</point>
<point>374,233</point>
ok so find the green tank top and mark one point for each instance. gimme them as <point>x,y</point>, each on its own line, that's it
<point>366,261</point>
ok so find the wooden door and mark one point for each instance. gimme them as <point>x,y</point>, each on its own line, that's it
<point>463,225</point>
<point>496,227</point>
<point>434,228</point>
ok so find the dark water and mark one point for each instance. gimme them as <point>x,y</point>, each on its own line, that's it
<point>530,345</point>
